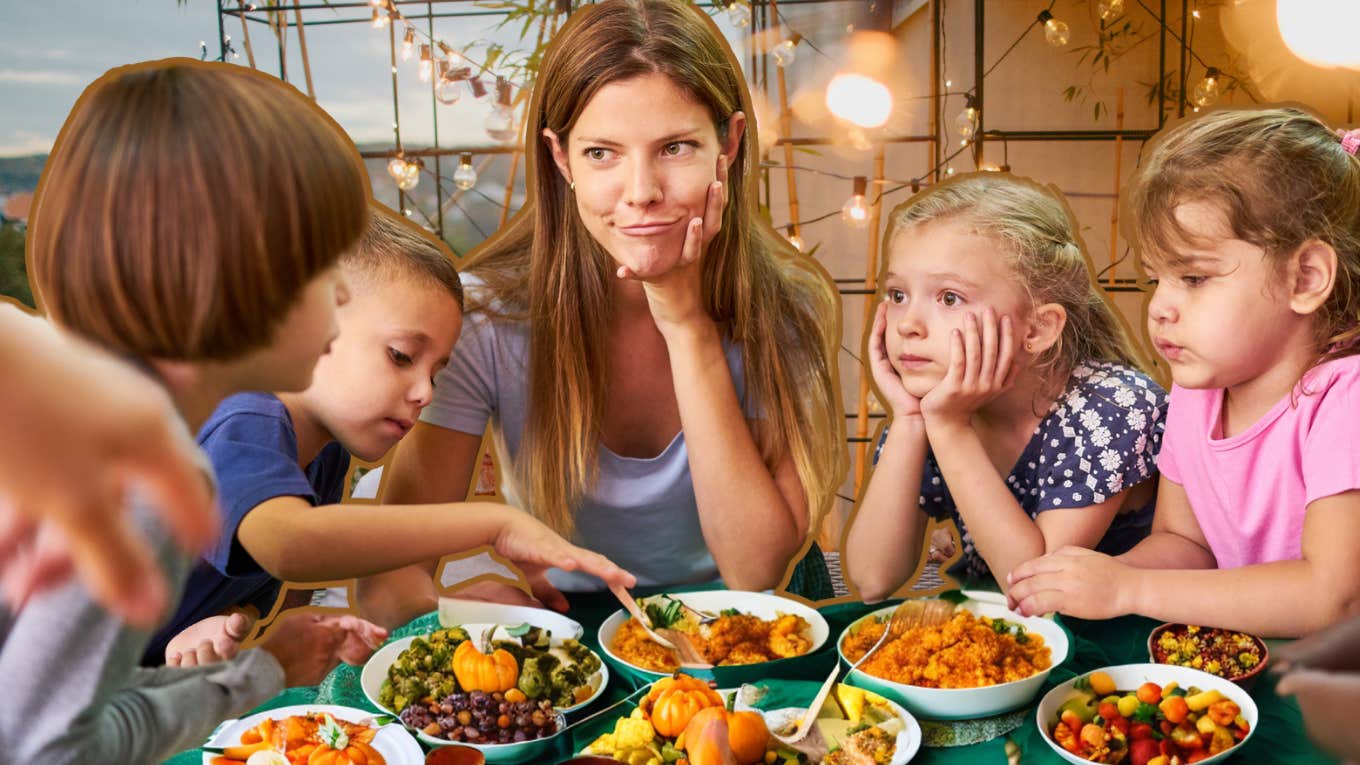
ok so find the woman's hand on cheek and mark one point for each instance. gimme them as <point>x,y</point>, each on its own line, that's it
<point>981,367</point>
<point>676,297</point>
<point>897,398</point>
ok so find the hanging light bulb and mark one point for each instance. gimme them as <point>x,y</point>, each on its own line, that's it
<point>739,13</point>
<point>410,177</point>
<point>378,19</point>
<point>426,63</point>
<point>1056,32</point>
<point>408,44</point>
<point>784,53</point>
<point>1110,9</point>
<point>858,99</point>
<point>396,167</point>
<point>967,121</point>
<point>450,87</point>
<point>1206,92</point>
<point>500,123</point>
<point>465,177</point>
<point>856,212</point>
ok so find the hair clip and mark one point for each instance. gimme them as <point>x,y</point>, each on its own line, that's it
<point>1350,140</point>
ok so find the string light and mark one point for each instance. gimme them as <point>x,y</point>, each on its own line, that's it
<point>859,100</point>
<point>379,19</point>
<point>1206,92</point>
<point>856,211</point>
<point>465,177</point>
<point>410,176</point>
<point>408,44</point>
<point>500,123</point>
<point>396,167</point>
<point>450,87</point>
<point>1110,9</point>
<point>794,238</point>
<point>1321,32</point>
<point>967,121</point>
<point>784,53</point>
<point>1056,32</point>
<point>426,63</point>
<point>739,13</point>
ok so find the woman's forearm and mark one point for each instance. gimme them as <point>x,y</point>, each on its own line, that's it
<point>883,543</point>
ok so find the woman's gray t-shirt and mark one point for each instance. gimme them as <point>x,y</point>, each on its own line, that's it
<point>641,513</point>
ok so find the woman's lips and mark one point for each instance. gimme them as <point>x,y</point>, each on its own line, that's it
<point>648,229</point>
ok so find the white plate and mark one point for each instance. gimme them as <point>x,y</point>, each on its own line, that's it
<point>454,611</point>
<point>966,703</point>
<point>1127,677</point>
<point>392,741</point>
<point>906,746</point>
<point>376,671</point>
<point>763,605</point>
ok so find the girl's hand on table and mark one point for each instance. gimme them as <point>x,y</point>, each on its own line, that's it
<point>1072,580</point>
<point>896,397</point>
<point>981,367</point>
<point>676,297</point>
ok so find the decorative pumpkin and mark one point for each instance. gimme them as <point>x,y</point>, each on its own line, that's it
<point>706,739</point>
<point>477,671</point>
<point>746,735</point>
<point>674,700</point>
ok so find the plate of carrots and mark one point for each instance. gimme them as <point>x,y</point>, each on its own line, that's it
<point>312,734</point>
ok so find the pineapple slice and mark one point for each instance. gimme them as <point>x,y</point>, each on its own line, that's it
<point>851,700</point>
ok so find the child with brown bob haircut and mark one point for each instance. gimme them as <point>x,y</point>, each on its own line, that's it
<point>281,459</point>
<point>188,219</point>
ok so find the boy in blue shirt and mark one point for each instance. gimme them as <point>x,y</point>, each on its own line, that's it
<point>281,460</point>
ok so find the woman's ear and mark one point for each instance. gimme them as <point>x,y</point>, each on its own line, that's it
<point>1314,276</point>
<point>736,128</point>
<point>1045,328</point>
<point>559,155</point>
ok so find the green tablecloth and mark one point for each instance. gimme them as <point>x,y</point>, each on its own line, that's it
<point>1279,737</point>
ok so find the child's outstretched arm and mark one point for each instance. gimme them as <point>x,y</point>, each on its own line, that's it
<point>883,540</point>
<point>1286,598</point>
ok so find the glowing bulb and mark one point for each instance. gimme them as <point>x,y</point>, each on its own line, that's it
<point>856,211</point>
<point>1321,32</point>
<point>949,171</point>
<point>739,13</point>
<point>967,121</point>
<point>500,123</point>
<point>465,177</point>
<point>396,167</point>
<point>1110,9</point>
<point>1206,92</point>
<point>408,44</point>
<point>450,87</point>
<point>784,53</point>
<point>379,19</point>
<point>859,100</point>
<point>410,177</point>
<point>426,63</point>
<point>1056,32</point>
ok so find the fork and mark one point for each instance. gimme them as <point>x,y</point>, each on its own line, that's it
<point>673,640</point>
<point>907,615</point>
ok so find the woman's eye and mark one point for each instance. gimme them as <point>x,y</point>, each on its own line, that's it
<point>897,296</point>
<point>950,299</point>
<point>678,148</point>
<point>596,153</point>
<point>399,358</point>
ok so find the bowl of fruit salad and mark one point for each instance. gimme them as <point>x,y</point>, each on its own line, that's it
<point>1237,656</point>
<point>1146,714</point>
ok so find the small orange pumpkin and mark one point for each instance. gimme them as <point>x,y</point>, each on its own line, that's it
<point>746,735</point>
<point>674,700</point>
<point>706,739</point>
<point>476,671</point>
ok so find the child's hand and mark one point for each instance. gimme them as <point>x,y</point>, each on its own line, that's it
<point>214,639</point>
<point>1334,649</point>
<point>535,548</point>
<point>1073,580</point>
<point>981,367</point>
<point>308,645</point>
<point>900,402</point>
<point>1327,700</point>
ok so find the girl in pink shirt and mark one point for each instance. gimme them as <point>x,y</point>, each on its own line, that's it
<point>1248,224</point>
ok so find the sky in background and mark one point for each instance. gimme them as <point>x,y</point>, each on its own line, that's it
<point>51,50</point>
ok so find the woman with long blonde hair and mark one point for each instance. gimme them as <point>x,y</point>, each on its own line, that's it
<point>656,363</point>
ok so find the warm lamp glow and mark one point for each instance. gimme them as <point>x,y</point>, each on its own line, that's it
<point>1321,32</point>
<point>859,100</point>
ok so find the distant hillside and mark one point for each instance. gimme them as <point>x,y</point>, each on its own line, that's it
<point>20,173</point>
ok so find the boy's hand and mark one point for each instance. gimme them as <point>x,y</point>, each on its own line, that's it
<point>1072,580</point>
<point>981,367</point>
<point>309,645</point>
<point>535,548</point>
<point>216,638</point>
<point>900,403</point>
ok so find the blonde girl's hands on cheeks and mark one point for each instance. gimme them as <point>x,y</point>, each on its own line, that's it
<point>899,401</point>
<point>676,297</point>
<point>1071,580</point>
<point>981,367</point>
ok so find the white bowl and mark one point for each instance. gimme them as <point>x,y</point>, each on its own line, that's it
<point>1128,677</point>
<point>759,604</point>
<point>966,703</point>
<point>455,611</point>
<point>908,741</point>
<point>392,741</point>
<point>375,670</point>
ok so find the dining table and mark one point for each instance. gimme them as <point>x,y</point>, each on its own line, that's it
<point>1279,737</point>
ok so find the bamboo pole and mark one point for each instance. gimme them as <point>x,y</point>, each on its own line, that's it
<point>245,34</point>
<point>1118,166</point>
<point>786,131</point>
<point>871,285</point>
<point>302,48</point>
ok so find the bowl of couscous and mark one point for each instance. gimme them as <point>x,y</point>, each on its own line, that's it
<point>984,661</point>
<point>1235,656</point>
